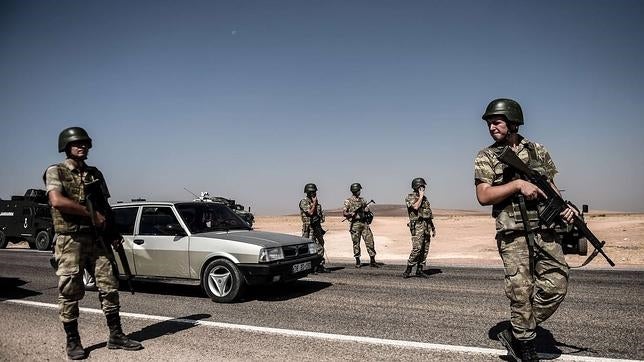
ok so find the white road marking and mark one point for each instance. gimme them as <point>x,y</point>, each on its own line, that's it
<point>327,336</point>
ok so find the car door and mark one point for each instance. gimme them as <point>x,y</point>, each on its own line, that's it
<point>160,244</point>
<point>124,220</point>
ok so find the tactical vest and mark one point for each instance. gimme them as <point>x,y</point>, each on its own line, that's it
<point>74,189</point>
<point>423,212</point>
<point>508,212</point>
<point>354,205</point>
<point>305,204</point>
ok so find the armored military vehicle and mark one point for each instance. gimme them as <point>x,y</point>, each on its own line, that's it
<point>237,208</point>
<point>27,218</point>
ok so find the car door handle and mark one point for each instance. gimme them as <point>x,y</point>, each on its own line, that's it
<point>138,241</point>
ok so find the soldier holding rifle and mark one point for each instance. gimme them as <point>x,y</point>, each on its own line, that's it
<point>536,273</point>
<point>356,210</point>
<point>79,242</point>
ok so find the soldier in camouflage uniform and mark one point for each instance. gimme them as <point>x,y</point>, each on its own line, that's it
<point>312,219</point>
<point>358,213</point>
<point>76,244</point>
<point>536,273</point>
<point>420,224</point>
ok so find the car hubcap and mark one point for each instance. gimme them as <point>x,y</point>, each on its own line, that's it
<point>220,281</point>
<point>42,242</point>
<point>88,280</point>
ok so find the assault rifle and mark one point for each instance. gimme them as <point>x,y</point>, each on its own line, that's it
<point>95,200</point>
<point>554,204</point>
<point>361,208</point>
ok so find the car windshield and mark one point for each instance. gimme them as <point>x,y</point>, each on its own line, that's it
<point>209,216</point>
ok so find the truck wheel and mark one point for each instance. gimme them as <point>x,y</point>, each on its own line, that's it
<point>222,281</point>
<point>3,240</point>
<point>583,246</point>
<point>43,242</point>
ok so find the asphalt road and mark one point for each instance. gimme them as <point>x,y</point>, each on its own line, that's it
<point>349,314</point>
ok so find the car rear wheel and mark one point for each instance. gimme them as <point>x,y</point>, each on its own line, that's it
<point>43,241</point>
<point>222,281</point>
<point>3,240</point>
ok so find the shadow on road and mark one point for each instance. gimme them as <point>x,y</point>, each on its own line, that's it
<point>158,330</point>
<point>153,287</point>
<point>547,345</point>
<point>10,288</point>
<point>286,291</point>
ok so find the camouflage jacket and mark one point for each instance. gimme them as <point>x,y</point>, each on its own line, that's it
<point>423,212</point>
<point>318,215</point>
<point>488,169</point>
<point>70,180</point>
<point>354,203</point>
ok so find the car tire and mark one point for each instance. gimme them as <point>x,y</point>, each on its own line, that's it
<point>43,241</point>
<point>3,240</point>
<point>222,281</point>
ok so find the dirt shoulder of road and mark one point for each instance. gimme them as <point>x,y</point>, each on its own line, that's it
<point>466,239</point>
<point>462,239</point>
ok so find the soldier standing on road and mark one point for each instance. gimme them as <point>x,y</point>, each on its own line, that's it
<point>312,219</point>
<point>420,223</point>
<point>536,273</point>
<point>359,215</point>
<point>76,244</point>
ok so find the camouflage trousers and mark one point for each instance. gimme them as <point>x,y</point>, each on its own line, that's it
<point>358,230</point>
<point>533,299</point>
<point>315,235</point>
<point>420,239</point>
<point>73,252</point>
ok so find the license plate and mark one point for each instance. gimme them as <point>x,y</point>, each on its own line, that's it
<point>301,267</point>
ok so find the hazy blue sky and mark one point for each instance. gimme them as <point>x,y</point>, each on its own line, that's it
<point>253,99</point>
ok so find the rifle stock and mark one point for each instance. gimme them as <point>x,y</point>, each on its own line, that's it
<point>554,204</point>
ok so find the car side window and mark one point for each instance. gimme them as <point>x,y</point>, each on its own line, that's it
<point>124,219</point>
<point>158,221</point>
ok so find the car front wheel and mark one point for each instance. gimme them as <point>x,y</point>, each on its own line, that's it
<point>222,281</point>
<point>43,241</point>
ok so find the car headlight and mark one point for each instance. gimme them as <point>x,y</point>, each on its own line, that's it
<point>270,254</point>
<point>313,248</point>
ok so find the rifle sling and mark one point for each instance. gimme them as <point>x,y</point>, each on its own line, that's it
<point>528,231</point>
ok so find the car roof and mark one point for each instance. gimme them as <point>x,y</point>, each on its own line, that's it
<point>157,203</point>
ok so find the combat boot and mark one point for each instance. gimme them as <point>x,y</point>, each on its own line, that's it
<point>373,263</point>
<point>407,272</point>
<point>118,340</point>
<point>419,271</point>
<point>358,263</point>
<point>528,351</point>
<point>74,347</point>
<point>510,343</point>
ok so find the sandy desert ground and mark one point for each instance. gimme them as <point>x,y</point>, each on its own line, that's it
<point>462,238</point>
<point>466,239</point>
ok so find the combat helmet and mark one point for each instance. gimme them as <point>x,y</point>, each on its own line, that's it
<point>418,182</point>
<point>309,188</point>
<point>72,134</point>
<point>355,187</point>
<point>508,108</point>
